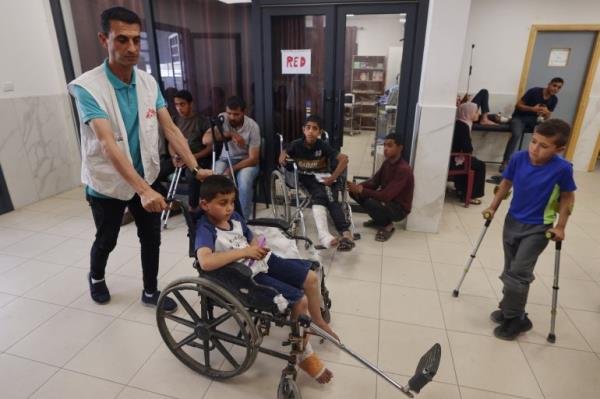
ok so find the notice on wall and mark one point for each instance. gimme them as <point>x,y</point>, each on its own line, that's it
<point>559,57</point>
<point>295,62</point>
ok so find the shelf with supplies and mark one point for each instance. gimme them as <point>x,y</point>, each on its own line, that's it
<point>367,85</point>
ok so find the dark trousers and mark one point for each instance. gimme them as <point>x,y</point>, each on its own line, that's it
<point>326,196</point>
<point>518,125</point>
<point>523,244</point>
<point>482,99</point>
<point>460,182</point>
<point>382,213</point>
<point>107,215</point>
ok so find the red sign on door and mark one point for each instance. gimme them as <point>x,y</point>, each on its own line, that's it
<point>295,62</point>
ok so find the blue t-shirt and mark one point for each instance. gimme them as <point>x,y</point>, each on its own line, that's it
<point>537,188</point>
<point>218,240</point>
<point>126,94</point>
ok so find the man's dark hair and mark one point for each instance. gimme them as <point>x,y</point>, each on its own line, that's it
<point>215,185</point>
<point>185,95</point>
<point>555,128</point>
<point>118,14</point>
<point>315,119</point>
<point>557,80</point>
<point>396,137</point>
<point>235,102</point>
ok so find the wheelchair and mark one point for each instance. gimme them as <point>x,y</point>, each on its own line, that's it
<point>225,316</point>
<point>287,192</point>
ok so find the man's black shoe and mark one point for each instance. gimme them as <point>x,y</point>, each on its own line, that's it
<point>99,291</point>
<point>511,328</point>
<point>497,316</point>
<point>169,305</point>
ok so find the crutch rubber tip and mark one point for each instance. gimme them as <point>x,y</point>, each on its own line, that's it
<point>455,293</point>
<point>551,338</point>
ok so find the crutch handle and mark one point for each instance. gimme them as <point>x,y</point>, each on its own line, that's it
<point>550,235</point>
<point>487,215</point>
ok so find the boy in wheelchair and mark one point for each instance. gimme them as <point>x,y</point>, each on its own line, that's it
<point>222,237</point>
<point>315,159</point>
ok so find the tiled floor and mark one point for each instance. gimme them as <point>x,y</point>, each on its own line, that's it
<point>390,303</point>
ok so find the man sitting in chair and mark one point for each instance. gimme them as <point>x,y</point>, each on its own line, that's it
<point>387,196</point>
<point>244,150</point>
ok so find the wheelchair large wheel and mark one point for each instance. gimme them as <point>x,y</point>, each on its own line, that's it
<point>280,197</point>
<point>212,333</point>
<point>288,388</point>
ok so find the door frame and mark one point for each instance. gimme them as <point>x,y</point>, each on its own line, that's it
<point>588,83</point>
<point>262,10</point>
<point>405,110</point>
<point>266,68</point>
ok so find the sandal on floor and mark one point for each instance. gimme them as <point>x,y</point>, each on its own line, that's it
<point>475,201</point>
<point>345,244</point>
<point>384,235</point>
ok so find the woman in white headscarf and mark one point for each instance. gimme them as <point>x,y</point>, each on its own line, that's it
<point>466,114</point>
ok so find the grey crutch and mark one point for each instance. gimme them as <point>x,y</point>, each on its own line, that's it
<point>558,246</point>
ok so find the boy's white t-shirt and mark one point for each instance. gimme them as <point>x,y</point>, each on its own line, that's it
<point>221,240</point>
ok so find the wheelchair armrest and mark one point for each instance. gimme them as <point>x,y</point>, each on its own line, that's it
<point>270,222</point>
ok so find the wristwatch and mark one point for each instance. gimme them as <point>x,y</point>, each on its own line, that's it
<point>196,170</point>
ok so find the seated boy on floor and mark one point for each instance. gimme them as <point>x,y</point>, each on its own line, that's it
<point>387,196</point>
<point>313,155</point>
<point>222,237</point>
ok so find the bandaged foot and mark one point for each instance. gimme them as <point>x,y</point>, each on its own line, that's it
<point>325,238</point>
<point>313,366</point>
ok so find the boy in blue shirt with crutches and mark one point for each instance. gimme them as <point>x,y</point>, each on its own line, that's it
<point>543,186</point>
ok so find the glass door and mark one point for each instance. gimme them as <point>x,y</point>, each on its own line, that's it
<point>371,53</point>
<point>299,75</point>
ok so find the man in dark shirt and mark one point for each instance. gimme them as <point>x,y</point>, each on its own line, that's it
<point>538,102</point>
<point>193,126</point>
<point>387,196</point>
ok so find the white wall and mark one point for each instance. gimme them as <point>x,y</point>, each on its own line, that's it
<point>38,144</point>
<point>442,57</point>
<point>378,33</point>
<point>29,48</point>
<point>500,32</point>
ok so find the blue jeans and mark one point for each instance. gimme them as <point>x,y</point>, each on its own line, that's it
<point>245,184</point>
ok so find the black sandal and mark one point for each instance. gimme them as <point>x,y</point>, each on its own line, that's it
<point>345,244</point>
<point>384,235</point>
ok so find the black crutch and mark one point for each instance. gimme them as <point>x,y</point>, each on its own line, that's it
<point>218,123</point>
<point>164,216</point>
<point>558,246</point>
<point>488,221</point>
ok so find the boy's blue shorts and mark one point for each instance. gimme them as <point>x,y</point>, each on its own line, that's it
<point>286,276</point>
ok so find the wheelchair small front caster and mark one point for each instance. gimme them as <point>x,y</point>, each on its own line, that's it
<point>288,388</point>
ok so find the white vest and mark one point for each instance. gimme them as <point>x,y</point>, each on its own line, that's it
<point>97,171</point>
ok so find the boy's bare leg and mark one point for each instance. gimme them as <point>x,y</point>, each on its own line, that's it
<point>311,289</point>
<point>301,307</point>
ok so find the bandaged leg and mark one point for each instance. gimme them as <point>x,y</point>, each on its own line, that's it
<point>320,215</point>
<point>312,365</point>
